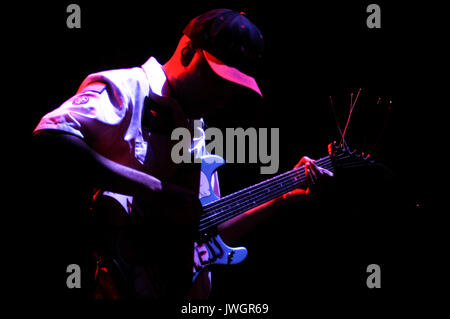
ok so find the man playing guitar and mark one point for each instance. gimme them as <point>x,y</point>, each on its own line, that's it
<point>117,128</point>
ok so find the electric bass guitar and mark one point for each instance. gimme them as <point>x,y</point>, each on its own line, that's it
<point>217,210</point>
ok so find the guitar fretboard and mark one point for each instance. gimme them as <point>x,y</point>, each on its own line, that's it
<point>241,201</point>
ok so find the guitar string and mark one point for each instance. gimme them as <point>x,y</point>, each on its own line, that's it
<point>287,181</point>
<point>225,214</point>
<point>224,201</point>
<point>257,189</point>
<point>244,192</point>
<point>283,189</point>
<point>253,199</point>
<point>275,180</point>
<point>238,209</point>
<point>261,187</point>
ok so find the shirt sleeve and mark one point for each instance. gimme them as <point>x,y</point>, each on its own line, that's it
<point>92,114</point>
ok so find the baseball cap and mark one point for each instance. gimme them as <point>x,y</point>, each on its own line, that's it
<point>232,45</point>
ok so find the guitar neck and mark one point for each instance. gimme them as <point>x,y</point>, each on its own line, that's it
<point>232,205</point>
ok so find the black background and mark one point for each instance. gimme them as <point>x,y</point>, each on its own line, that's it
<point>309,253</point>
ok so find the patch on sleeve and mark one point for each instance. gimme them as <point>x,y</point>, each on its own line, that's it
<point>82,99</point>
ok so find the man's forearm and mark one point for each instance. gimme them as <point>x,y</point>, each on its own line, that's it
<point>107,173</point>
<point>236,227</point>
<point>128,181</point>
<point>179,204</point>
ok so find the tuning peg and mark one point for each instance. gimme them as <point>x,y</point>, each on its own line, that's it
<point>332,148</point>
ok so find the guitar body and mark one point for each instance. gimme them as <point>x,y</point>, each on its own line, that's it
<point>218,253</point>
<point>139,247</point>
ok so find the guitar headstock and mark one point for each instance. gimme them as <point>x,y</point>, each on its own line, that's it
<point>342,157</point>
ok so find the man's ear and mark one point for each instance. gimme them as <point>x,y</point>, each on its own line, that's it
<point>187,54</point>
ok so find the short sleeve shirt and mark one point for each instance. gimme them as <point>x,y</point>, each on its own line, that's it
<point>109,119</point>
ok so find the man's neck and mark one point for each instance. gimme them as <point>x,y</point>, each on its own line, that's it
<point>168,88</point>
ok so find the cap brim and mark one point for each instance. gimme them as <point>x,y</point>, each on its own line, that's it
<point>231,74</point>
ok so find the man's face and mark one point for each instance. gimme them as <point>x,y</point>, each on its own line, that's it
<point>203,91</point>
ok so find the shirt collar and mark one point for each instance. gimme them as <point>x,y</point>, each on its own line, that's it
<point>156,78</point>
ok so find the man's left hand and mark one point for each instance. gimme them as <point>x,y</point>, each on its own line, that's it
<point>316,177</point>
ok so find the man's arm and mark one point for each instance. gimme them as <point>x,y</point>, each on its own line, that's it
<point>236,227</point>
<point>107,174</point>
<point>116,177</point>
